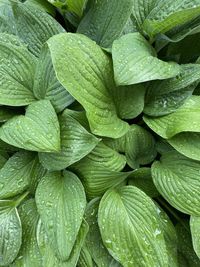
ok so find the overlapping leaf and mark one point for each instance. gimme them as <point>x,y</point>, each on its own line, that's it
<point>177,179</point>
<point>38,130</point>
<point>61,210</point>
<point>135,61</point>
<point>104,21</point>
<point>86,72</point>
<point>76,143</point>
<point>130,229</point>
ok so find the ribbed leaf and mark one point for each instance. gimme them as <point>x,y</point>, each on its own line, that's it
<point>44,26</point>
<point>89,79</point>
<point>100,170</point>
<point>48,254</point>
<point>104,22</point>
<point>76,143</point>
<point>10,232</point>
<point>135,61</point>
<point>61,210</point>
<point>17,66</point>
<point>17,173</point>
<point>38,130</point>
<point>180,121</point>
<point>177,179</point>
<point>156,16</point>
<point>76,7</point>
<point>94,241</point>
<point>195,232</point>
<point>46,85</point>
<point>137,144</point>
<point>129,100</point>
<point>164,97</point>
<point>29,254</point>
<point>130,228</point>
<point>85,259</point>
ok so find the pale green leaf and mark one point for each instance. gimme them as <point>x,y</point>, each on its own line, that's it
<point>85,259</point>
<point>10,232</point>
<point>130,228</point>
<point>164,97</point>
<point>195,232</point>
<point>29,254</point>
<point>104,22</point>
<point>17,174</point>
<point>76,7</point>
<point>89,79</point>
<point>61,210</point>
<point>38,130</point>
<point>76,143</point>
<point>135,61</point>
<point>46,85</point>
<point>179,121</point>
<point>137,144</point>
<point>17,66</point>
<point>48,254</point>
<point>100,170</point>
<point>42,5</point>
<point>177,179</point>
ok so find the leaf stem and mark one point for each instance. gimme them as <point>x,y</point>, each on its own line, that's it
<point>21,198</point>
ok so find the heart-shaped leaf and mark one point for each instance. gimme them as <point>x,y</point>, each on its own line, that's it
<point>38,130</point>
<point>177,179</point>
<point>84,69</point>
<point>61,210</point>
<point>130,229</point>
<point>135,61</point>
<point>76,143</point>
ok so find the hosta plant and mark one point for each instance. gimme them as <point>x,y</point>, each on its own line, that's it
<point>100,133</point>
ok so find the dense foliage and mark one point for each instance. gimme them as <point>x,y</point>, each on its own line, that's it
<point>100,133</point>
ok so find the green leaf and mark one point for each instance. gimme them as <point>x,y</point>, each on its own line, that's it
<point>48,255</point>
<point>185,247</point>
<point>29,254</point>
<point>17,174</point>
<point>195,232</point>
<point>177,179</point>
<point>89,79</point>
<point>10,232</point>
<point>38,130</point>
<point>156,16</point>
<point>170,236</point>
<point>137,144</point>
<point>46,85</point>
<point>94,241</point>
<point>142,179</point>
<point>100,170</point>
<point>76,7</point>
<point>42,5</point>
<point>135,61</point>
<point>187,144</point>
<point>44,26</point>
<point>129,100</point>
<point>17,66</point>
<point>104,22</point>
<point>76,143</point>
<point>164,97</point>
<point>180,121</point>
<point>61,210</point>
<point>130,229</point>
<point>85,259</point>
